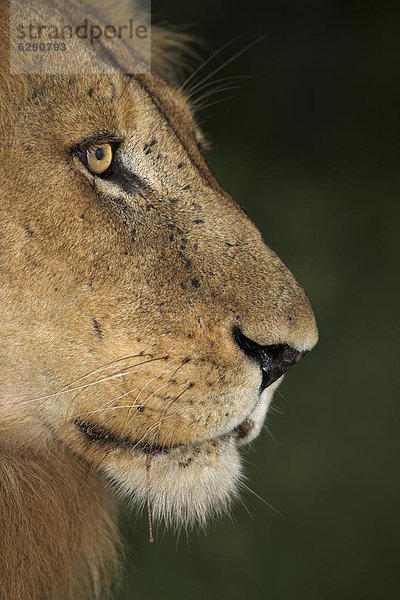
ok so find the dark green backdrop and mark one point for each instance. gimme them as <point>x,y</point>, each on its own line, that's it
<point>310,147</point>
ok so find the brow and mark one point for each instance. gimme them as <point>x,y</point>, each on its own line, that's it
<point>159,104</point>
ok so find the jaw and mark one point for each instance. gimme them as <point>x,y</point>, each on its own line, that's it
<point>185,485</point>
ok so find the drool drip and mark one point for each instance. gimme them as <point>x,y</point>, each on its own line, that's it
<point>149,458</point>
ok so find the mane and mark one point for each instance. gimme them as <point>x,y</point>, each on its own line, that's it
<point>58,532</point>
<point>58,537</point>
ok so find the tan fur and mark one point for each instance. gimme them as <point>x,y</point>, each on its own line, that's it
<point>118,303</point>
<point>58,537</point>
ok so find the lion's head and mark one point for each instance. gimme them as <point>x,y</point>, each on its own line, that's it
<point>145,324</point>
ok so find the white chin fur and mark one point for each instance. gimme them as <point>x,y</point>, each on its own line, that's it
<point>187,485</point>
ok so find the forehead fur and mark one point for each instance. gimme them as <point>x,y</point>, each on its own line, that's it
<point>165,59</point>
<point>164,55</point>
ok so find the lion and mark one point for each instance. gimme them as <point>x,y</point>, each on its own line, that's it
<point>145,323</point>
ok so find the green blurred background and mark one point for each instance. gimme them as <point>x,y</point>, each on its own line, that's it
<point>310,147</point>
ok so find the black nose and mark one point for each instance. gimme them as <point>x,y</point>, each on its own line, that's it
<point>274,360</point>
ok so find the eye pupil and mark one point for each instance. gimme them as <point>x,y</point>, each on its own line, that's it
<point>99,153</point>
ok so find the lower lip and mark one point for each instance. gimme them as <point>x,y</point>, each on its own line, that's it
<point>102,436</point>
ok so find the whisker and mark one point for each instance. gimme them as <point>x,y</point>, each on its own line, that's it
<point>140,391</point>
<point>245,486</point>
<point>248,462</point>
<point>271,435</point>
<point>105,408</point>
<point>204,106</point>
<point>116,398</point>
<point>278,391</point>
<point>156,392</point>
<point>102,368</point>
<point>145,435</point>
<point>205,63</point>
<point>228,61</point>
<point>161,387</point>
<point>217,90</point>
<point>80,387</point>
<point>101,408</point>
<point>245,507</point>
<point>220,80</point>
<point>66,390</point>
<point>166,409</point>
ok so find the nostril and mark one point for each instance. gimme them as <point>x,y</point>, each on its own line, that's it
<point>274,359</point>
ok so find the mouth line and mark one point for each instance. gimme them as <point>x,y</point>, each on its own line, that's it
<point>106,438</point>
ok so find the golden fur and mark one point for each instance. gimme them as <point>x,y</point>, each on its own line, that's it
<point>118,300</point>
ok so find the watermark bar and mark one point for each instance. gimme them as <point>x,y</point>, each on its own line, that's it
<point>58,37</point>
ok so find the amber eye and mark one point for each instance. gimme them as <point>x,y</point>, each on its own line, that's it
<point>99,158</point>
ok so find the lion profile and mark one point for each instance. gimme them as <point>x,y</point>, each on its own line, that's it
<point>145,324</point>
